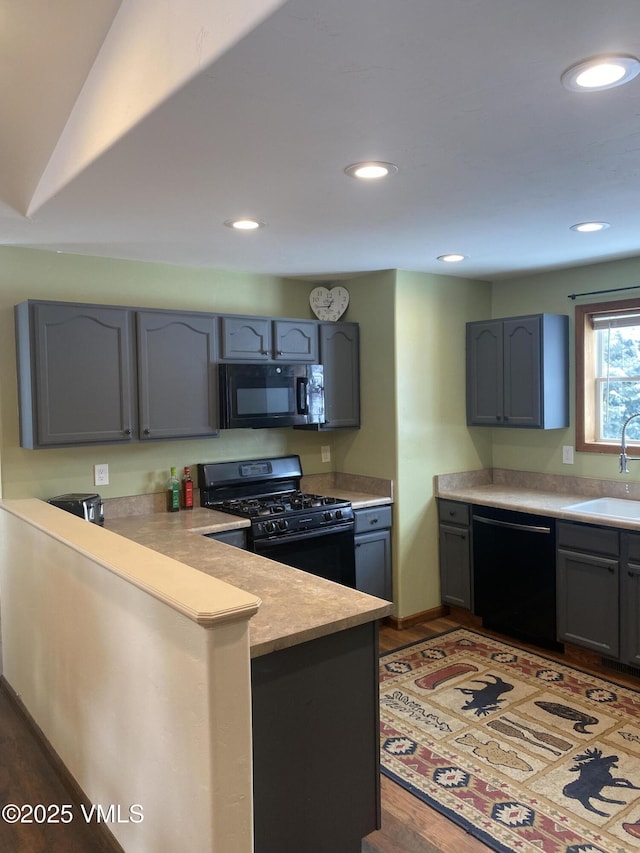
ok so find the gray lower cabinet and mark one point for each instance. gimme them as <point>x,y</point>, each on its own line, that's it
<point>630,599</point>
<point>518,372</point>
<point>76,374</point>
<point>373,551</point>
<point>316,744</point>
<point>455,553</point>
<point>266,339</point>
<point>177,379</point>
<point>587,574</point>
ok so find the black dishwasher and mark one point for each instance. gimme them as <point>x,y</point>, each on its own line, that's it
<point>514,574</point>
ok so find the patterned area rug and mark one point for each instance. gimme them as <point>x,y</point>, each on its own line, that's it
<point>527,754</point>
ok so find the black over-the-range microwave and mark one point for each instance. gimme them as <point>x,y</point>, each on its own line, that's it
<point>270,395</point>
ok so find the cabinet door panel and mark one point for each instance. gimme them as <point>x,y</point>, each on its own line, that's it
<point>373,563</point>
<point>84,374</point>
<point>177,376</point>
<point>295,340</point>
<point>484,373</point>
<point>522,372</point>
<point>339,351</point>
<point>630,614</point>
<point>587,601</point>
<point>246,338</point>
<point>455,566</point>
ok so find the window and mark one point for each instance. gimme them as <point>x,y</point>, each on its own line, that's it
<point>607,374</point>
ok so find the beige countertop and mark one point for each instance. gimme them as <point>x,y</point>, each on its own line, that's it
<point>296,606</point>
<point>537,494</point>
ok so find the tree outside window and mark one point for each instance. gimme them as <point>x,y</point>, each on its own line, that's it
<point>607,374</point>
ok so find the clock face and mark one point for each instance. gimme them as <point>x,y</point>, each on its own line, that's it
<point>329,304</point>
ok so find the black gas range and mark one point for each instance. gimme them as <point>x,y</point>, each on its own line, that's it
<point>308,531</point>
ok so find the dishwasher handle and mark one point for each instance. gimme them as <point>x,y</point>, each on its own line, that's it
<point>528,528</point>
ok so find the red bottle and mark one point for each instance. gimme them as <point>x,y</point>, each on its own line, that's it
<point>186,490</point>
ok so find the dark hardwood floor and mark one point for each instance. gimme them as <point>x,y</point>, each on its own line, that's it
<point>28,775</point>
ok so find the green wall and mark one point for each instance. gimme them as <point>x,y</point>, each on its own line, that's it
<point>431,313</point>
<point>535,450</point>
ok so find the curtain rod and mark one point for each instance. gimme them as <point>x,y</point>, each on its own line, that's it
<point>597,292</point>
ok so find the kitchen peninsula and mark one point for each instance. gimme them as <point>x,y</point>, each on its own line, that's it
<point>149,636</point>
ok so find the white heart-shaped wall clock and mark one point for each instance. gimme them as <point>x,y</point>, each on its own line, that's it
<point>329,304</point>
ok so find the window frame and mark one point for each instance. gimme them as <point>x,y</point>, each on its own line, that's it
<point>586,356</point>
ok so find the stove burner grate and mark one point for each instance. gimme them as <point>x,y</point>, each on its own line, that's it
<point>278,504</point>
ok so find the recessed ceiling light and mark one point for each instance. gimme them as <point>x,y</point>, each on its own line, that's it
<point>451,259</point>
<point>600,72</point>
<point>585,227</point>
<point>244,224</point>
<point>371,170</point>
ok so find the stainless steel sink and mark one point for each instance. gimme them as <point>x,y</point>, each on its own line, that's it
<point>608,507</point>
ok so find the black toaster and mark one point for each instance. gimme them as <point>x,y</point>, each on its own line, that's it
<point>87,506</point>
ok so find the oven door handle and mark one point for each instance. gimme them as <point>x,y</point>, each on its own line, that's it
<point>302,395</point>
<point>281,539</point>
<point>528,528</point>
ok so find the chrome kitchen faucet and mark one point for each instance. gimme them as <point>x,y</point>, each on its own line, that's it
<point>623,446</point>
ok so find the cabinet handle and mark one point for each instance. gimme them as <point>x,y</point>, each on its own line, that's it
<point>279,352</point>
<point>498,417</point>
<point>373,521</point>
<point>265,352</point>
<point>127,432</point>
<point>147,432</point>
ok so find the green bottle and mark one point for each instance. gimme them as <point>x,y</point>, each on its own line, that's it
<point>173,492</point>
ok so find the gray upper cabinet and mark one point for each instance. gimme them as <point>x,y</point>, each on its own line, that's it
<point>99,374</point>
<point>518,372</point>
<point>76,375</point>
<point>339,355</point>
<point>264,339</point>
<point>177,379</point>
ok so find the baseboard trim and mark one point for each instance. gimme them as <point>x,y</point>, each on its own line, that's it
<point>424,616</point>
<point>105,841</point>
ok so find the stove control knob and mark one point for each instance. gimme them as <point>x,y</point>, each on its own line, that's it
<point>282,524</point>
<point>338,513</point>
<point>328,516</point>
<point>269,526</point>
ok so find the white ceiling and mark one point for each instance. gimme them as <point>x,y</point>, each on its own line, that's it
<point>187,115</point>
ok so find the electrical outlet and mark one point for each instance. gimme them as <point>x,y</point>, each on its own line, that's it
<point>101,475</point>
<point>567,454</point>
<point>325,453</point>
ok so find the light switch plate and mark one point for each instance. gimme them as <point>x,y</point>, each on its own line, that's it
<point>325,453</point>
<point>567,454</point>
<point>101,475</point>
